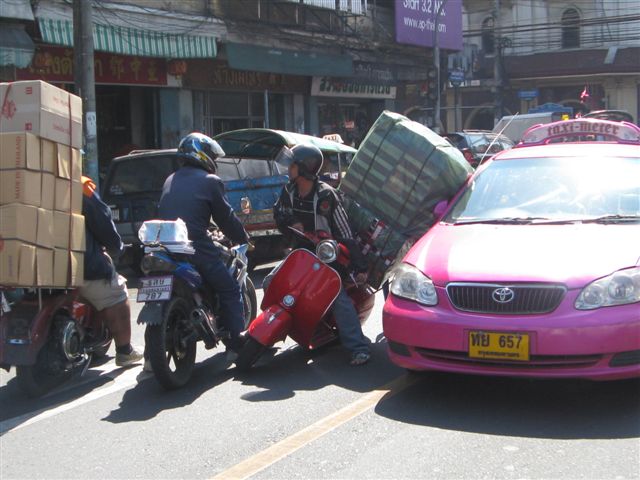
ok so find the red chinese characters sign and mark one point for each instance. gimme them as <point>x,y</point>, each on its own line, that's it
<point>55,64</point>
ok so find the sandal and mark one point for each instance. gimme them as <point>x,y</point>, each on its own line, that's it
<point>359,358</point>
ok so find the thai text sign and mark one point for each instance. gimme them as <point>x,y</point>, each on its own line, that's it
<point>340,87</point>
<point>55,64</point>
<point>418,20</point>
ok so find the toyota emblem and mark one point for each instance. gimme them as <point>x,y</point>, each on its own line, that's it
<point>503,295</point>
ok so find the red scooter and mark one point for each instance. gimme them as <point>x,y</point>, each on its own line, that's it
<point>299,296</point>
<point>47,334</point>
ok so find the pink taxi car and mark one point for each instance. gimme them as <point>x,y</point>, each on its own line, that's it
<point>534,268</point>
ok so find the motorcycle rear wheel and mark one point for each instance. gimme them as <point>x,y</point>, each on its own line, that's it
<point>170,345</point>
<point>250,302</point>
<point>249,354</point>
<point>36,380</point>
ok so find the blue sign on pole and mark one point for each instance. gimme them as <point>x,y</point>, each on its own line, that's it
<point>456,77</point>
<point>528,94</point>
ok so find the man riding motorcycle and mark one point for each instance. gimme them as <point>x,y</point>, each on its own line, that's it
<point>310,205</point>
<point>195,194</point>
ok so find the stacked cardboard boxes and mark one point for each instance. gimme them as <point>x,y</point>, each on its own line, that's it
<point>41,224</point>
<point>400,172</point>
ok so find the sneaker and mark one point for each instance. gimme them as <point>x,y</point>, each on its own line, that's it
<point>126,359</point>
<point>359,358</point>
<point>147,366</point>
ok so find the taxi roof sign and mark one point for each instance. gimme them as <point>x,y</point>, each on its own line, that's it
<point>581,130</point>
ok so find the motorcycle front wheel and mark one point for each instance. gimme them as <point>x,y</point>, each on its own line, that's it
<point>171,345</point>
<point>249,301</point>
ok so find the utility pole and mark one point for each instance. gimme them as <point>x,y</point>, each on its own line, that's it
<point>497,64</point>
<point>436,67</point>
<point>83,54</point>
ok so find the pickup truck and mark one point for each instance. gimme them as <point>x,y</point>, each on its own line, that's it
<point>252,178</point>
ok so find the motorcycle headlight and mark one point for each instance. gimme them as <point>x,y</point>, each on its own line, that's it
<point>155,263</point>
<point>410,283</point>
<point>619,288</point>
<point>327,251</point>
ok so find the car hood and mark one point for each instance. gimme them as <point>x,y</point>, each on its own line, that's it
<point>570,254</point>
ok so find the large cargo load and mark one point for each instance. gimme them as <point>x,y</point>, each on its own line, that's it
<point>400,172</point>
<point>41,227</point>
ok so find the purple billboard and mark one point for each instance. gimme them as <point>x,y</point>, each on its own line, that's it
<point>416,23</point>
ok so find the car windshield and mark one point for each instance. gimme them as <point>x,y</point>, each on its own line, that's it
<point>540,190</point>
<point>127,178</point>
<point>235,169</point>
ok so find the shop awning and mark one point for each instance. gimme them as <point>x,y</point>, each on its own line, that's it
<point>131,41</point>
<point>16,47</point>
<point>277,60</point>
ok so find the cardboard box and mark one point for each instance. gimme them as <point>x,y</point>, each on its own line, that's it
<point>42,109</point>
<point>49,155</point>
<point>20,186</point>
<point>44,267</point>
<point>62,196</point>
<point>44,237</point>
<point>60,267</point>
<point>19,222</point>
<point>17,264</point>
<point>402,170</point>
<point>76,197</point>
<point>69,162</point>
<point>68,231</point>
<point>76,266</point>
<point>19,150</point>
<point>47,194</point>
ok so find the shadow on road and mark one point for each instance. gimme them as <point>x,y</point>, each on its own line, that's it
<point>558,409</point>
<point>147,399</point>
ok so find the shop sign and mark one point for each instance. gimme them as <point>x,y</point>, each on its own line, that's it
<point>425,22</point>
<point>375,73</point>
<point>55,64</point>
<point>217,75</point>
<point>340,87</point>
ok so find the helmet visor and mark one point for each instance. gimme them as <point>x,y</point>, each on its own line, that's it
<point>284,157</point>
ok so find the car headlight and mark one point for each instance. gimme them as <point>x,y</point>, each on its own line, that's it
<point>619,288</point>
<point>155,263</point>
<point>410,283</point>
<point>327,251</point>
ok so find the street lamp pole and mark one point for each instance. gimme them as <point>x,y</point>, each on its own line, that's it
<point>436,66</point>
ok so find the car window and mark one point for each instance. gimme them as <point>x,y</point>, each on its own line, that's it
<point>126,176</point>
<point>479,143</point>
<point>552,188</point>
<point>235,169</point>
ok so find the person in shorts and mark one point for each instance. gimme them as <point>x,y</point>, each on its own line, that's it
<point>103,287</point>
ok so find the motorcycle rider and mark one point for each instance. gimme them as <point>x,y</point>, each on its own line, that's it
<point>103,287</point>
<point>309,205</point>
<point>196,195</point>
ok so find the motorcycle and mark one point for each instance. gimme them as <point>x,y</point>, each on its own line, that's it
<point>298,298</point>
<point>180,308</point>
<point>47,334</point>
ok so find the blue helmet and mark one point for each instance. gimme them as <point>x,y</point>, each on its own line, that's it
<point>199,150</point>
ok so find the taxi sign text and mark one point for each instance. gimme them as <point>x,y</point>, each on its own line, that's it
<point>583,127</point>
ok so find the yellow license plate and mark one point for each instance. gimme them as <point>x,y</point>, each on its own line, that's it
<point>499,345</point>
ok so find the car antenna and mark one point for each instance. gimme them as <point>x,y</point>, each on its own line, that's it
<point>496,138</point>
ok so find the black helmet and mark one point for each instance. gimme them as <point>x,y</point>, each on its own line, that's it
<point>306,156</point>
<point>200,151</point>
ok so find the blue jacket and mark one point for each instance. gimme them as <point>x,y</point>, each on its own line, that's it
<point>102,238</point>
<point>196,197</point>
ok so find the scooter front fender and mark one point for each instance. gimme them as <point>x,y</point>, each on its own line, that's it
<point>271,326</point>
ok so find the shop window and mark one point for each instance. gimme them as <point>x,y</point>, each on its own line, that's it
<point>488,36</point>
<point>570,28</point>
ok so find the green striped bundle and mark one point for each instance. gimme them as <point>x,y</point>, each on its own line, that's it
<point>402,170</point>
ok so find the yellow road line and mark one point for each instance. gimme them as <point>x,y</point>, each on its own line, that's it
<point>287,446</point>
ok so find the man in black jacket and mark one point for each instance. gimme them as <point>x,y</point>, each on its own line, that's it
<point>196,195</point>
<point>103,288</point>
<point>308,204</point>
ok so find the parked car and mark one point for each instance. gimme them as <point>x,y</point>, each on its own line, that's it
<point>534,268</point>
<point>253,181</point>
<point>478,145</point>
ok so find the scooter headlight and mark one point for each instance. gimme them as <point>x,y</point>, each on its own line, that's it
<point>327,251</point>
<point>152,262</point>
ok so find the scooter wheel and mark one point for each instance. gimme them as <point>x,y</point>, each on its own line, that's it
<point>249,354</point>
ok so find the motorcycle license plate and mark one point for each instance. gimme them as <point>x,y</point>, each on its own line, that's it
<point>499,345</point>
<point>155,289</point>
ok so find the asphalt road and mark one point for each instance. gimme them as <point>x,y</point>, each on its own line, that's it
<point>302,416</point>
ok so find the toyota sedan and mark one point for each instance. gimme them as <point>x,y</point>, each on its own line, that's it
<point>534,268</point>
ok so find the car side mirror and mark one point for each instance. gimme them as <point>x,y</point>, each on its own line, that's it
<point>440,208</point>
<point>245,205</point>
